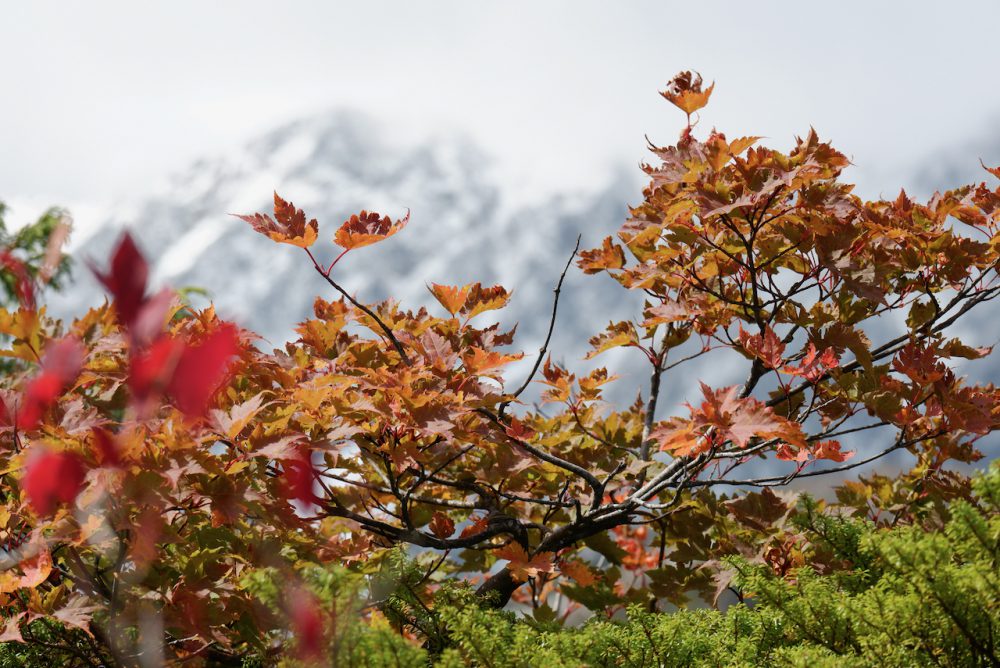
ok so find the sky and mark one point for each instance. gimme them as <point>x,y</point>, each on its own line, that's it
<point>103,100</point>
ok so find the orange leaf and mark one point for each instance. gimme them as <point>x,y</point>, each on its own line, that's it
<point>367,228</point>
<point>608,256</point>
<point>451,297</point>
<point>995,171</point>
<point>579,572</point>
<point>521,565</point>
<point>681,440</point>
<point>480,361</point>
<point>290,226</point>
<point>477,525</point>
<point>831,450</point>
<point>685,92</point>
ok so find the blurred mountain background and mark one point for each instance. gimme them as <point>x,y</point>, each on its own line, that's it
<point>507,129</point>
<point>465,226</point>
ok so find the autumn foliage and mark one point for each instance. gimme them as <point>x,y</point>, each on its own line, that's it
<point>170,488</point>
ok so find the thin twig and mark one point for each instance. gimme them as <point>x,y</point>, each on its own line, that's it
<point>371,314</point>
<point>552,325</point>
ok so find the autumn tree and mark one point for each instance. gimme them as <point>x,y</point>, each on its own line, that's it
<point>162,474</point>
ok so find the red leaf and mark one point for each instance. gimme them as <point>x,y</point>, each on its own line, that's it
<point>60,366</point>
<point>126,281</point>
<point>307,625</point>
<point>520,431</point>
<point>201,369</point>
<point>52,478</point>
<point>105,447</point>
<point>298,479</point>
<point>150,370</point>
<point>24,285</point>
<point>441,525</point>
<point>767,348</point>
<point>814,365</point>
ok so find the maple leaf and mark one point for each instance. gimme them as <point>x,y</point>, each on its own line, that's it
<point>761,510</point>
<point>105,447</point>
<point>767,348</point>
<point>520,431</point>
<point>684,91</point>
<point>77,612</point>
<point>299,478</point>
<point>52,478</point>
<point>521,565</point>
<point>670,311</point>
<point>150,370</point>
<point>367,228</point>
<point>482,299</point>
<point>608,256</point>
<point>288,226</point>
<point>60,366</point>
<point>831,450</point>
<point>475,526</point>
<point>189,374</point>
<point>201,369</point>
<point>616,335</point>
<point>451,297</point>
<point>814,365</point>
<point>579,572</point>
<point>786,452</point>
<point>126,280</point>
<point>921,364</point>
<point>235,420</point>
<point>12,630</point>
<point>679,438</point>
<point>480,362</point>
<point>737,419</point>
<point>441,525</point>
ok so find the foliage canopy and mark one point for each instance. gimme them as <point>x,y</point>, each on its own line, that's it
<point>172,493</point>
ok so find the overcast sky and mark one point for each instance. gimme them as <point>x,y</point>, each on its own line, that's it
<point>102,100</point>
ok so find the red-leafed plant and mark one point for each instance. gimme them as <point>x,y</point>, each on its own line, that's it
<point>154,458</point>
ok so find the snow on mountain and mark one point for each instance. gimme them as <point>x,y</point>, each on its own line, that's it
<point>463,228</point>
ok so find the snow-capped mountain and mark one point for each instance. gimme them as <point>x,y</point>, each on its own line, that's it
<point>463,228</point>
